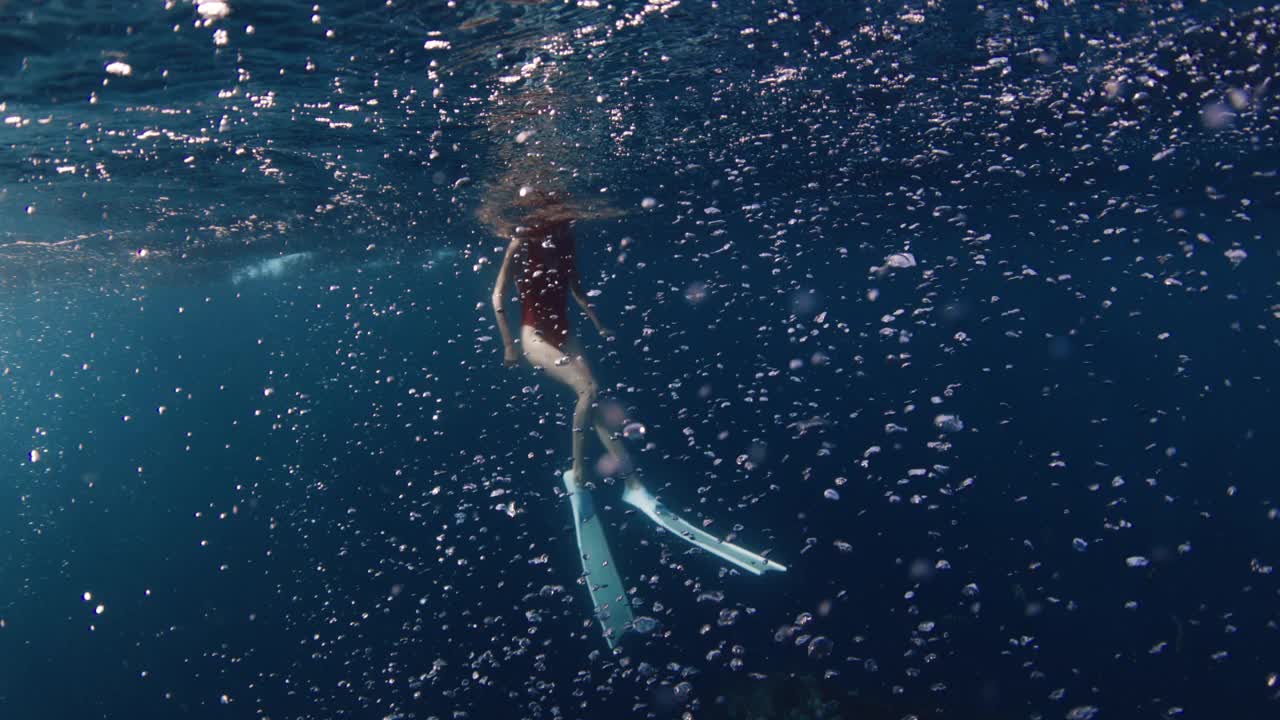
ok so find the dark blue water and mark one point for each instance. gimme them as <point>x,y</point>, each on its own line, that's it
<point>260,449</point>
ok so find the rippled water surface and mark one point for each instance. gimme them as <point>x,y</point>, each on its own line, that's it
<point>967,313</point>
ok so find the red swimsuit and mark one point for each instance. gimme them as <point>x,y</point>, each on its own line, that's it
<point>549,270</point>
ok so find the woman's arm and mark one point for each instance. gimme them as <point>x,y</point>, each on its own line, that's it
<point>576,288</point>
<point>499,304</point>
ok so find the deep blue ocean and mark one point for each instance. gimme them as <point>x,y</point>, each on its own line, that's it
<point>968,313</point>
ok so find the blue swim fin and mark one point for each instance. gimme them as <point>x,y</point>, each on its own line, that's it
<point>608,595</point>
<point>638,497</point>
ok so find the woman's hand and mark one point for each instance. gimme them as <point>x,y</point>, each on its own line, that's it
<point>509,356</point>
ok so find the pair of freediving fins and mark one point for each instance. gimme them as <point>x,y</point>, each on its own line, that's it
<point>608,594</point>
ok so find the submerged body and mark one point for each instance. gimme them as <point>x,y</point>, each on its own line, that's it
<point>542,258</point>
<point>546,254</point>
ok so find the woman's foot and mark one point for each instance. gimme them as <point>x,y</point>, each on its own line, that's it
<point>575,476</point>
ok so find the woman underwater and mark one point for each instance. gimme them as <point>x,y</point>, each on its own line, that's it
<point>541,256</point>
<point>543,248</point>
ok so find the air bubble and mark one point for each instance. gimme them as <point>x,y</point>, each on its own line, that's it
<point>948,423</point>
<point>820,647</point>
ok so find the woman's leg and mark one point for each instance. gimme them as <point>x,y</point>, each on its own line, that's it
<point>619,453</point>
<point>573,370</point>
<point>570,371</point>
<point>610,441</point>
